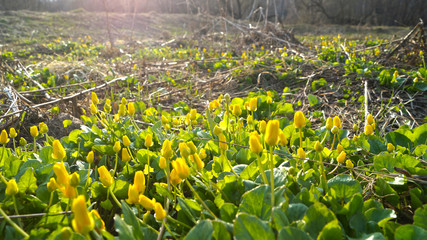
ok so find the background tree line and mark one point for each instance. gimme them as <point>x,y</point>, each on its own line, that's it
<point>376,12</point>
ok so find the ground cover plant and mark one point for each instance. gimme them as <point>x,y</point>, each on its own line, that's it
<point>248,135</point>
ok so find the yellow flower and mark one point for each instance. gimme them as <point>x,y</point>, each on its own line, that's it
<point>253,104</point>
<point>335,130</point>
<point>254,144</point>
<point>193,114</point>
<point>105,176</point>
<point>34,131</point>
<point>51,185</point>
<point>349,163</point>
<point>262,126</point>
<point>162,163</point>
<point>3,137</point>
<point>22,141</point>
<point>12,187</point>
<point>370,120</point>
<point>12,133</point>
<point>318,147</point>
<point>193,148</point>
<point>125,155</point>
<point>123,101</point>
<point>133,194</point>
<point>341,157</point>
<point>202,153</point>
<point>250,120</point>
<point>43,128</point>
<point>146,202</point>
<point>160,212</point>
<point>355,138</point>
<point>355,127</point>
<point>126,141</point>
<point>61,173</point>
<point>369,130</point>
<point>116,117</point>
<point>122,110</point>
<point>269,100</point>
<point>107,106</point>
<point>237,111</point>
<point>272,132</point>
<point>175,179</point>
<point>181,168</point>
<point>82,223</point>
<point>58,150</point>
<point>164,120</point>
<point>299,120</point>
<point>96,216</point>
<point>301,153</point>
<point>139,181</point>
<point>329,123</point>
<point>199,162</point>
<point>167,149</point>
<point>217,130</point>
<point>148,140</point>
<point>74,179</point>
<point>131,108</point>
<point>184,150</point>
<point>213,105</point>
<point>69,191</point>
<point>94,98</point>
<point>90,157</point>
<point>339,148</point>
<point>337,122</point>
<point>222,144</point>
<point>93,109</point>
<point>117,147</point>
<point>390,147</point>
<point>283,139</point>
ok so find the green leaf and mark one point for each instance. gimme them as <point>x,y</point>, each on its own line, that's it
<point>385,161</point>
<point>316,218</point>
<point>250,171</point>
<point>248,227</point>
<point>380,216</point>
<point>382,188</point>
<point>251,202</point>
<point>124,230</point>
<point>120,189</point>
<point>345,186</point>
<point>420,217</point>
<point>293,233</point>
<point>220,230</point>
<point>372,236</point>
<point>312,100</point>
<point>46,155</point>
<point>228,212</point>
<point>332,230</point>
<point>296,211</point>
<point>410,232</point>
<point>190,212</point>
<point>280,219</point>
<point>130,218</point>
<point>376,145</point>
<point>203,230</point>
<point>27,182</point>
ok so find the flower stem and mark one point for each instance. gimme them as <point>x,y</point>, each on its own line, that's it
<point>115,164</point>
<point>200,199</point>
<point>148,164</point>
<point>272,176</point>
<point>16,210</point>
<point>48,206</point>
<point>14,225</point>
<point>88,175</point>
<point>300,137</point>
<point>114,197</point>
<point>261,169</point>
<point>333,142</point>
<point>167,228</point>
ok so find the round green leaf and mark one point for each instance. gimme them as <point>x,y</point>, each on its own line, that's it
<point>247,227</point>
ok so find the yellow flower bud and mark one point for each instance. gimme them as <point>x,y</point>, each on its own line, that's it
<point>123,101</point>
<point>58,150</point>
<point>164,120</point>
<point>107,106</point>
<point>202,153</point>
<point>335,130</point>
<point>369,130</point>
<point>272,132</point>
<point>122,110</point>
<point>299,120</point>
<point>181,168</point>
<point>125,155</point>
<point>61,173</point>
<point>146,217</point>
<point>69,191</point>
<point>146,202</point>
<point>131,108</point>
<point>253,104</point>
<point>133,195</point>
<point>93,109</point>
<point>94,98</point>
<point>349,163</point>
<point>341,157</point>
<point>12,133</point>
<point>339,148</point>
<point>22,141</point>
<point>51,185</point>
<point>193,114</point>
<point>117,147</point>
<point>162,163</point>
<point>34,131</point>
<point>217,130</point>
<point>148,140</point>
<point>90,157</point>
<point>82,223</point>
<point>370,119</point>
<point>318,147</point>
<point>200,164</point>
<point>167,149</point>
<point>246,106</point>
<point>250,120</point>
<point>74,179</point>
<point>355,138</point>
<point>43,128</point>
<point>12,187</point>
<point>254,144</point>
<point>126,141</point>
<point>329,123</point>
<point>337,122</point>
<point>262,126</point>
<point>105,176</point>
<point>192,147</point>
<point>269,100</point>
<point>184,150</point>
<point>160,212</point>
<point>96,216</point>
<point>139,181</point>
<point>3,137</point>
<point>237,111</point>
<point>175,179</point>
<point>283,139</point>
<point>222,144</point>
<point>301,153</point>
<point>116,117</point>
<point>390,147</point>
